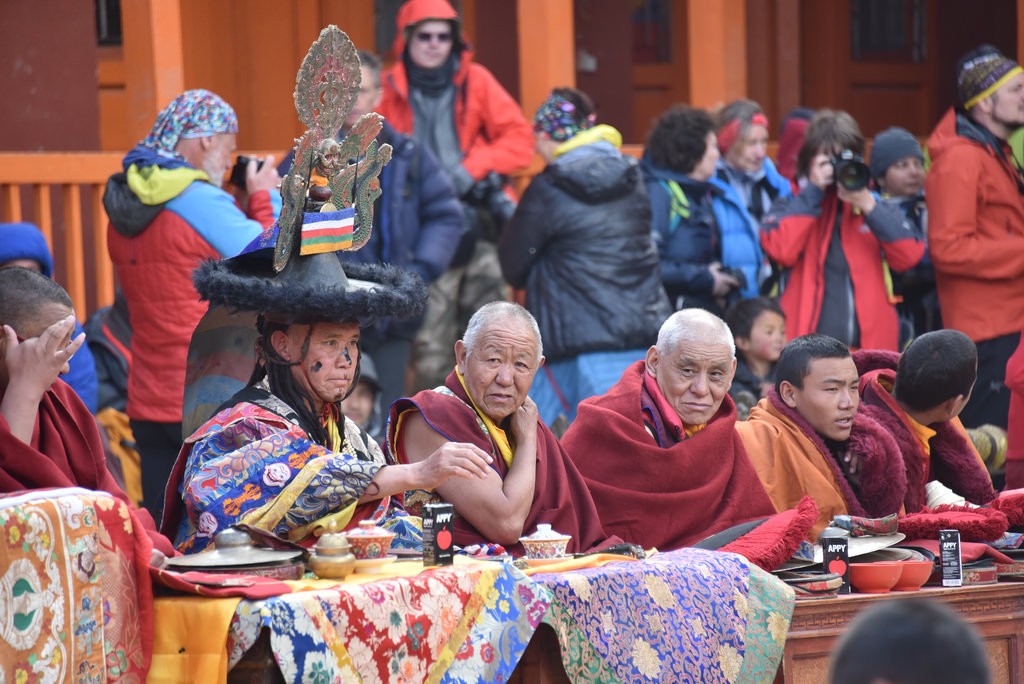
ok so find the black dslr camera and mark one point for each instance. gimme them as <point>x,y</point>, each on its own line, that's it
<point>237,177</point>
<point>739,275</point>
<point>850,172</point>
<point>489,193</point>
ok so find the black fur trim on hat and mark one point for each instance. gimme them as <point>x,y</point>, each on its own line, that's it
<point>312,288</point>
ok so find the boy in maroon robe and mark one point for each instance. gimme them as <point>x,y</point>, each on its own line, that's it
<point>658,450</point>
<point>48,438</point>
<point>916,397</point>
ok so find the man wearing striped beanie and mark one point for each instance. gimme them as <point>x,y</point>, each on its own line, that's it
<point>975,196</point>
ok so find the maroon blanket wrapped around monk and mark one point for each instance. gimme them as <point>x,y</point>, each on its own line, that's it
<point>663,497</point>
<point>951,459</point>
<point>560,494</point>
<point>66,451</point>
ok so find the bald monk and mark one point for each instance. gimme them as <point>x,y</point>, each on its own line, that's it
<point>659,451</point>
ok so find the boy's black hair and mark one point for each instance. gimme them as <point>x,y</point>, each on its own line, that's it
<point>915,641</point>
<point>794,362</point>
<point>935,367</point>
<point>741,316</point>
<point>23,292</point>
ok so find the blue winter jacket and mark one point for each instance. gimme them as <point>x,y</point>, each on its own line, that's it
<point>687,246</point>
<point>740,232</point>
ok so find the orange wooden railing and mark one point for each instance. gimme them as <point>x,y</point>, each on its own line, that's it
<point>62,194</point>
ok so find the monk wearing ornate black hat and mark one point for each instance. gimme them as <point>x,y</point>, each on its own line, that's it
<point>280,455</point>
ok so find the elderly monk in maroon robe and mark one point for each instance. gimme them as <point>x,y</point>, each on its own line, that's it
<point>48,438</point>
<point>659,450</point>
<point>484,402</point>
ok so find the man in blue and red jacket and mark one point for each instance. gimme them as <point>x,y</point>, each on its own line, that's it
<point>168,214</point>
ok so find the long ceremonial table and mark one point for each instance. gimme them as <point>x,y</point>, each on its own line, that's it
<point>995,610</point>
<point>688,615</point>
<point>613,621</point>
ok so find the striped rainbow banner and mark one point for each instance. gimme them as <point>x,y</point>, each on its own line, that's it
<point>328,231</point>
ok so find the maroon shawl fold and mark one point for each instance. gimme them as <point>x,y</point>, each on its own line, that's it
<point>662,497</point>
<point>560,494</point>
<point>66,451</point>
<point>953,460</point>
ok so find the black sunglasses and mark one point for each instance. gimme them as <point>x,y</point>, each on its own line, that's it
<point>427,36</point>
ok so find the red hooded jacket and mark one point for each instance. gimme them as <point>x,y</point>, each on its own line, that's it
<point>799,239</point>
<point>492,132</point>
<point>975,230</point>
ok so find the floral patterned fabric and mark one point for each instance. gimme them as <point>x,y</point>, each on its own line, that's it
<point>683,616</point>
<point>248,464</point>
<point>75,601</point>
<point>462,624</point>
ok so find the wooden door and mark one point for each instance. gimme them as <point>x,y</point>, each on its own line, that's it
<point>659,62</point>
<point>873,58</point>
<point>891,62</point>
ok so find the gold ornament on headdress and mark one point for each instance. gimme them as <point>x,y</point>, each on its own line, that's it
<point>326,87</point>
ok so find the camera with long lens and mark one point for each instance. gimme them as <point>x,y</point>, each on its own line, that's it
<point>850,172</point>
<point>489,193</point>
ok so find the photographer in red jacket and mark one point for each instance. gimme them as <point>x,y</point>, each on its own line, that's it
<point>838,240</point>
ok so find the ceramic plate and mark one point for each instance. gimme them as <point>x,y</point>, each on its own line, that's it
<point>371,565</point>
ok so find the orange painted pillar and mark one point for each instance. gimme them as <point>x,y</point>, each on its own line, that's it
<point>717,58</point>
<point>547,50</point>
<point>1020,31</point>
<point>153,59</point>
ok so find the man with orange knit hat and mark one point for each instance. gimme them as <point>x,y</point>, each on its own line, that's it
<point>976,221</point>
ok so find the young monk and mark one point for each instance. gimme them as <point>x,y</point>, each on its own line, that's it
<point>808,437</point>
<point>48,438</point>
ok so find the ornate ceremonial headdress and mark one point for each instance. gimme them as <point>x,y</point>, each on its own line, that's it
<point>292,273</point>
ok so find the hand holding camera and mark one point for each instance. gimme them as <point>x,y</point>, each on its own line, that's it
<point>726,280</point>
<point>850,172</point>
<point>253,175</point>
<point>852,178</point>
<point>489,193</point>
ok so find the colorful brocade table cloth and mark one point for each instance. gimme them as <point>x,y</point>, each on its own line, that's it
<point>74,590</point>
<point>682,616</point>
<point>470,623</point>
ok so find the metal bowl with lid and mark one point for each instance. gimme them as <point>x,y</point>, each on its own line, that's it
<point>235,553</point>
<point>332,556</point>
